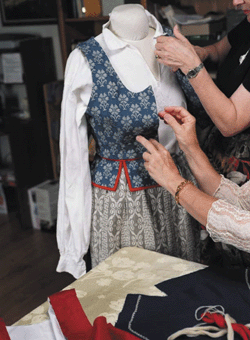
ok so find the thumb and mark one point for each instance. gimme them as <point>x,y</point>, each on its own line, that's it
<point>171,121</point>
<point>178,33</point>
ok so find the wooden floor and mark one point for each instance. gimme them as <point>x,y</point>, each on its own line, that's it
<point>28,260</point>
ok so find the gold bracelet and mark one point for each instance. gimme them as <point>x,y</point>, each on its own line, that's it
<point>179,188</point>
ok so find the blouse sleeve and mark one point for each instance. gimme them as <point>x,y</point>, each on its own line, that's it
<point>233,193</point>
<point>74,202</point>
<point>229,217</point>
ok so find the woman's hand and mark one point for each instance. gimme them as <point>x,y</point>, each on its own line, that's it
<point>160,165</point>
<point>176,52</point>
<point>183,124</point>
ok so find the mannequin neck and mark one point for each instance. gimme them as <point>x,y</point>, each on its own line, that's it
<point>129,22</point>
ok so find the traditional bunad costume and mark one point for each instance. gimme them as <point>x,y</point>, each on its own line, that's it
<point>111,92</point>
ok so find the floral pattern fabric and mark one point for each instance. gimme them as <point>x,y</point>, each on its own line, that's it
<point>102,291</point>
<point>116,116</point>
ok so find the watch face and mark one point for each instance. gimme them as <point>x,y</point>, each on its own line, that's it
<point>192,73</point>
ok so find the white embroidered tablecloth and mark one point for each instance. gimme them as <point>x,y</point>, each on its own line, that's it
<point>102,291</point>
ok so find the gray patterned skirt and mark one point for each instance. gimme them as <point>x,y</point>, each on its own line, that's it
<point>148,219</point>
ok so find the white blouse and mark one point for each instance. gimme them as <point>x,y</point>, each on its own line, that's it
<point>74,204</point>
<point>229,217</point>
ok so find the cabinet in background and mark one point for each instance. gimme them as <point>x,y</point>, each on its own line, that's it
<point>73,30</point>
<point>23,116</point>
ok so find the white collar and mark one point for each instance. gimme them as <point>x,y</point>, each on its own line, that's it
<point>114,43</point>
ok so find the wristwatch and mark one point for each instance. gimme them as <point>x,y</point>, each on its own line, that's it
<point>193,73</point>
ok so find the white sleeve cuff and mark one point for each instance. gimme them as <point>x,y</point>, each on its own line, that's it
<point>68,264</point>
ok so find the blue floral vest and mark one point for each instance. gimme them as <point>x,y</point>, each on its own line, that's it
<point>116,116</point>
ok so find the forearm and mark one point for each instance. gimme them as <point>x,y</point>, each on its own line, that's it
<point>196,202</point>
<point>221,109</point>
<point>216,52</point>
<point>210,52</point>
<point>207,178</point>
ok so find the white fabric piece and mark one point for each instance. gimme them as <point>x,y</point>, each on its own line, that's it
<point>38,331</point>
<point>48,329</point>
<point>74,204</point>
<point>146,47</point>
<point>58,334</point>
<point>228,219</point>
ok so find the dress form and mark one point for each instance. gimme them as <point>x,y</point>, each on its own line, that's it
<point>130,23</point>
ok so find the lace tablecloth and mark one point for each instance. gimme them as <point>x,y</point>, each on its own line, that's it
<point>102,291</point>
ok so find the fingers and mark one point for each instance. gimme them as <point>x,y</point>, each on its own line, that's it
<point>180,112</point>
<point>174,69</point>
<point>177,117</point>
<point>178,33</point>
<point>171,121</point>
<point>175,111</point>
<point>146,156</point>
<point>158,54</point>
<point>146,143</point>
<point>151,145</point>
<point>158,146</point>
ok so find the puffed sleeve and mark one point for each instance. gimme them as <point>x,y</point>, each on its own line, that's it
<point>74,202</point>
<point>229,217</point>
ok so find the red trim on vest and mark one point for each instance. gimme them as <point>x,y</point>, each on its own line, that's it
<point>123,163</point>
<point>75,324</point>
<point>121,160</point>
<point>3,331</point>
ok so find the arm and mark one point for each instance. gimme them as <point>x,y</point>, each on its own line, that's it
<point>230,115</point>
<point>224,221</point>
<point>216,52</point>
<point>183,124</point>
<point>74,204</point>
<point>163,170</point>
<point>209,181</point>
<point>161,167</point>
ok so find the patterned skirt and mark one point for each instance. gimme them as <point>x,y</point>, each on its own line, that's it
<point>148,219</point>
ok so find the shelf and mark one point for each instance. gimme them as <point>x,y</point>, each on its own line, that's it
<point>10,84</point>
<point>68,20</point>
<point>30,162</point>
<point>7,177</point>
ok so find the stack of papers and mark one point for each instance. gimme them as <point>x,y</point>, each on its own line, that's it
<point>177,16</point>
<point>190,19</point>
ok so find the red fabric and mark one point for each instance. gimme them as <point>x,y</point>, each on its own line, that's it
<point>3,331</point>
<point>123,164</point>
<point>240,165</point>
<point>75,324</point>
<point>219,319</point>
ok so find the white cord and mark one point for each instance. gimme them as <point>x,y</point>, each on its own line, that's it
<point>205,329</point>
